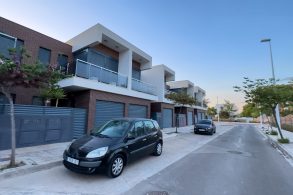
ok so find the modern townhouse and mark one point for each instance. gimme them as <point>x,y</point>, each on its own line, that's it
<point>163,110</point>
<point>108,77</point>
<point>188,115</point>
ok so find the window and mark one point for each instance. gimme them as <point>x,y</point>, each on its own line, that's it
<point>149,127</point>
<point>62,61</point>
<point>6,42</point>
<point>37,101</point>
<point>44,56</point>
<point>136,74</point>
<point>139,129</point>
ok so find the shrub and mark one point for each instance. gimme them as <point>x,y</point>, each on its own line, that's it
<point>284,141</point>
<point>273,132</point>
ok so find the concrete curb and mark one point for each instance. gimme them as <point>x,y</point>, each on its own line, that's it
<point>27,170</point>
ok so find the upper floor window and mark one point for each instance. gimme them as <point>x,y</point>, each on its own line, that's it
<point>6,42</point>
<point>44,56</point>
<point>39,101</point>
<point>62,61</point>
<point>136,74</point>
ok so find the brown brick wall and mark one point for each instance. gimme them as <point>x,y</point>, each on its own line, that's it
<point>33,40</point>
<point>87,99</point>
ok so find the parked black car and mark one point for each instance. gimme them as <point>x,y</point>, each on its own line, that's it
<point>113,145</point>
<point>205,126</point>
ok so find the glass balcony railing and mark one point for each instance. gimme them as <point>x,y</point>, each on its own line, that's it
<point>93,72</point>
<point>140,86</point>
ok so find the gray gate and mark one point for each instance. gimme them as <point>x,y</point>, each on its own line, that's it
<point>37,125</point>
<point>106,110</point>
<point>167,118</point>
<point>181,120</point>
<point>137,111</point>
<point>189,118</point>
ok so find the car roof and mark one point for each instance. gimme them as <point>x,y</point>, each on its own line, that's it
<point>132,119</point>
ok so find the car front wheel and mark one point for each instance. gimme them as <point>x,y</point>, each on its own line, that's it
<point>116,166</point>
<point>158,149</point>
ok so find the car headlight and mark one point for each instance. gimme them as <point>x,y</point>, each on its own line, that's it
<point>97,153</point>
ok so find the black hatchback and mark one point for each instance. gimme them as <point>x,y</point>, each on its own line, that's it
<point>113,145</point>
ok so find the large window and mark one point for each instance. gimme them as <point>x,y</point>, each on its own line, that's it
<point>62,62</point>
<point>6,42</point>
<point>136,74</point>
<point>44,56</point>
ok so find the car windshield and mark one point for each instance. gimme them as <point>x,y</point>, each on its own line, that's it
<point>206,122</point>
<point>113,128</point>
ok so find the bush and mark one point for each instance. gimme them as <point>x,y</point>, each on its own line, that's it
<point>284,141</point>
<point>273,132</point>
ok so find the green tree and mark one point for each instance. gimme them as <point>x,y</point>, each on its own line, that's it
<point>212,111</point>
<point>14,72</point>
<point>53,90</point>
<point>229,107</point>
<point>224,114</point>
<point>250,110</point>
<point>266,95</point>
<point>181,99</point>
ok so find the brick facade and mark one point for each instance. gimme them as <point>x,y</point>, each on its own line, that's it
<point>32,42</point>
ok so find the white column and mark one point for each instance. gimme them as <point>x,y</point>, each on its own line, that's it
<point>125,66</point>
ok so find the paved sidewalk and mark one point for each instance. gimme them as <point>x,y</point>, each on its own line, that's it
<point>287,149</point>
<point>43,157</point>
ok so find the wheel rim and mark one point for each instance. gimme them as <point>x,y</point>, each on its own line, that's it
<point>117,166</point>
<point>159,148</point>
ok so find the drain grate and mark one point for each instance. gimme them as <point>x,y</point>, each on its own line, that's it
<point>157,193</point>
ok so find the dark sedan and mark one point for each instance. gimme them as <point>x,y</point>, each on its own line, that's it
<point>113,145</point>
<point>205,126</point>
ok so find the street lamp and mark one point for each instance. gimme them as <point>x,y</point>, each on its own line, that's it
<point>274,79</point>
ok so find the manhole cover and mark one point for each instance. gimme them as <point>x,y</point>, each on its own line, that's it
<point>157,193</point>
<point>234,152</point>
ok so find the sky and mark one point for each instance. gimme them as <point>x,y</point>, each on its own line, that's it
<point>213,43</point>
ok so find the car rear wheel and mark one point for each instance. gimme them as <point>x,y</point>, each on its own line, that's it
<point>158,149</point>
<point>116,166</point>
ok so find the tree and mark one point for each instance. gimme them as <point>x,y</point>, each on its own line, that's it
<point>14,72</point>
<point>224,114</point>
<point>53,90</point>
<point>250,110</point>
<point>212,111</point>
<point>229,107</point>
<point>181,99</point>
<point>266,95</point>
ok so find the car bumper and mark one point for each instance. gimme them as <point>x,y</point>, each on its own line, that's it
<point>203,130</point>
<point>81,166</point>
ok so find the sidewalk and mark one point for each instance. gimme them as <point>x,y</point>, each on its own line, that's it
<point>43,157</point>
<point>286,149</point>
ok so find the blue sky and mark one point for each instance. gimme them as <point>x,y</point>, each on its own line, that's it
<point>213,43</point>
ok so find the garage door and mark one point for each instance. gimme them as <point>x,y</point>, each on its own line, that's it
<point>137,111</point>
<point>106,110</point>
<point>167,118</point>
<point>189,118</point>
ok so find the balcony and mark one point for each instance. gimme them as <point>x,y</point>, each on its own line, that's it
<point>93,72</point>
<point>140,86</point>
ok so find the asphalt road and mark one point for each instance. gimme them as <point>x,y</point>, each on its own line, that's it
<point>240,162</point>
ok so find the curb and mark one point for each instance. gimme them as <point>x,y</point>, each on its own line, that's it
<point>27,170</point>
<point>277,145</point>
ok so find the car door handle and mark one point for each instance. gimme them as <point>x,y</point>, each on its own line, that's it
<point>144,139</point>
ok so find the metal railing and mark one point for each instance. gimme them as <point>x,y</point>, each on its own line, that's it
<point>141,86</point>
<point>93,72</point>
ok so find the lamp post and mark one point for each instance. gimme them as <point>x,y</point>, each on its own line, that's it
<point>274,79</point>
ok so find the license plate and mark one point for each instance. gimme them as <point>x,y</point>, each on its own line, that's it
<point>72,160</point>
<point>201,129</point>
